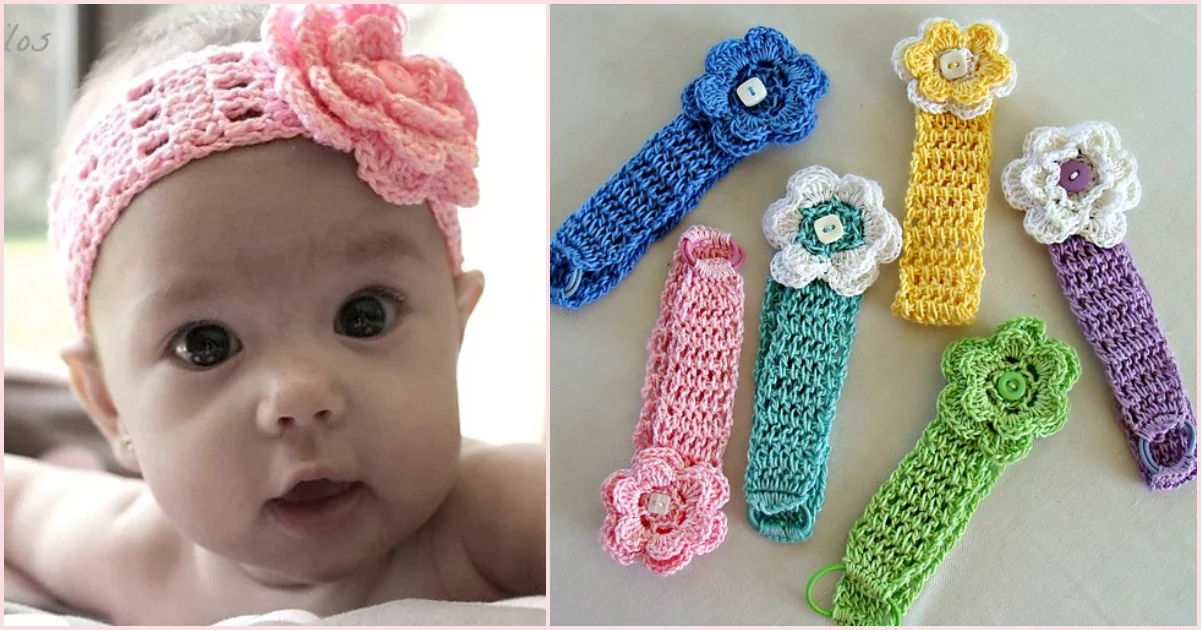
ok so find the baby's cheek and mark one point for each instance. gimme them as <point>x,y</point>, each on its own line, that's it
<point>205,491</point>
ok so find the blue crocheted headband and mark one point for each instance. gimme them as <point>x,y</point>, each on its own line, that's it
<point>755,91</point>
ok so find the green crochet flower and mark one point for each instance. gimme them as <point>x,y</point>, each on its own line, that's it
<point>1008,389</point>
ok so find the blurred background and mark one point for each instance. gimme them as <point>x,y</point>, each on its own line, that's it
<point>502,368</point>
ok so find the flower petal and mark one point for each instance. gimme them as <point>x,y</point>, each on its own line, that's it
<point>851,284</point>
<point>712,96</point>
<point>920,60</point>
<point>981,37</point>
<point>1018,337</point>
<point>795,267</point>
<point>943,34</point>
<point>953,358</point>
<point>1107,231</point>
<point>993,69</point>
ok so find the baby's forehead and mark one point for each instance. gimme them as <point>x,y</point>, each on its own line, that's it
<point>285,204</point>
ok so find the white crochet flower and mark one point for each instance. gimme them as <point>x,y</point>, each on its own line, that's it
<point>1097,213</point>
<point>850,264</point>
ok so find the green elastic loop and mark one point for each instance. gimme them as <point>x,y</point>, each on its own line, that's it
<point>896,613</point>
<point>813,580</point>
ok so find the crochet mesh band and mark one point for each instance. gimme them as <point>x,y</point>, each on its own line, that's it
<point>640,204</point>
<point>1117,316</point>
<point>666,507</point>
<point>1003,393</point>
<point>692,363</point>
<point>804,342</point>
<point>910,525</point>
<point>755,91</point>
<point>942,262</point>
<point>407,119</point>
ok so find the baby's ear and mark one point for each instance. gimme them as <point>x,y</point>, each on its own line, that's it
<point>87,381</point>
<point>469,286</point>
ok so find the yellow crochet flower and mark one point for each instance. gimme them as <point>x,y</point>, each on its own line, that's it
<point>956,70</point>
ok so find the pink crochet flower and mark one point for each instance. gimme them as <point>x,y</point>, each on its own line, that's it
<point>662,511</point>
<point>408,119</point>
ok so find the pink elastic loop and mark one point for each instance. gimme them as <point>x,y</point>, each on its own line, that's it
<point>688,252</point>
<point>737,257</point>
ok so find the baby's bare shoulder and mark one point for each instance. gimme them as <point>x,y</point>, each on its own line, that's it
<point>498,509</point>
<point>94,540</point>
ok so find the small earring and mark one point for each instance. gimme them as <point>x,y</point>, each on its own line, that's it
<point>127,442</point>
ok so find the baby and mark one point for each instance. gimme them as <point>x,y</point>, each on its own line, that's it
<point>257,211</point>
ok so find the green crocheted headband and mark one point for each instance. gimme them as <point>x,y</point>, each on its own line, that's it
<point>1002,392</point>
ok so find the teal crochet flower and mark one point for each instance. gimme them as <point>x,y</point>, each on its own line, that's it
<point>1006,390</point>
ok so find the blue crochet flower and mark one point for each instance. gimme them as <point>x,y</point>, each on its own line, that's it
<point>794,83</point>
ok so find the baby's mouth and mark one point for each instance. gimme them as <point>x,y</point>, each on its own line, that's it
<point>316,490</point>
<point>317,507</point>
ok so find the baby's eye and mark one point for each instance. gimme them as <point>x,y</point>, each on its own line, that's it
<point>367,314</point>
<point>205,345</point>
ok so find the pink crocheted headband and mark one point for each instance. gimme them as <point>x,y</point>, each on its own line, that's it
<point>333,74</point>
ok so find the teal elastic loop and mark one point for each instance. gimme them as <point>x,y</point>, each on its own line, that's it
<point>896,614</point>
<point>813,580</point>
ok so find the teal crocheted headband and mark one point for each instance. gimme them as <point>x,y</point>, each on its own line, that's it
<point>1002,392</point>
<point>832,233</point>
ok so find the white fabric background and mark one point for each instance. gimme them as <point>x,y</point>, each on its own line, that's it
<point>1069,535</point>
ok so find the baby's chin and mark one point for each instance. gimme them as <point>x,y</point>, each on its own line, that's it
<point>298,549</point>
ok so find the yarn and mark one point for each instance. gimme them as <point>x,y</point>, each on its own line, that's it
<point>666,508</point>
<point>833,233</point>
<point>942,262</point>
<point>1108,183</point>
<point>407,119</point>
<point>804,344</point>
<point>599,244</point>
<point>1075,185</point>
<point>1117,316</point>
<point>1002,393</point>
<point>942,266</point>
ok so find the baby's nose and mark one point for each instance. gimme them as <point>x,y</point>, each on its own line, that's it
<point>300,397</point>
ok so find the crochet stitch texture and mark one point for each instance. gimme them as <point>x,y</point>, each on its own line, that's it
<point>1117,316</point>
<point>336,75</point>
<point>599,244</point>
<point>1003,392</point>
<point>666,508</point>
<point>805,333</point>
<point>942,265</point>
<point>1075,185</point>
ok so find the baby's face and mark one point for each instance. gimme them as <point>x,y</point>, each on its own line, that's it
<point>261,317</point>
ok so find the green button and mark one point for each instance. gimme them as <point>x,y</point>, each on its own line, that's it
<point>1011,385</point>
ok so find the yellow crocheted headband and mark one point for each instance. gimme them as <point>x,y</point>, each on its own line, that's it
<point>953,76</point>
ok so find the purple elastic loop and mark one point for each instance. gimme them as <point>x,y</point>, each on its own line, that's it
<point>1144,449</point>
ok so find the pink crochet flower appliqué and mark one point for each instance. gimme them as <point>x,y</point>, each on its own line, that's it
<point>663,511</point>
<point>408,119</point>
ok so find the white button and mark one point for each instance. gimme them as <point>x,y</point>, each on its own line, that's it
<point>953,63</point>
<point>752,92</point>
<point>828,228</point>
<point>657,503</point>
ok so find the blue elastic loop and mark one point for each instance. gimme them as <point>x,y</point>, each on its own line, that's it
<point>648,197</point>
<point>1144,449</point>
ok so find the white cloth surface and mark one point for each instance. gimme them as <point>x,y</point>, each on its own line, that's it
<point>1069,535</point>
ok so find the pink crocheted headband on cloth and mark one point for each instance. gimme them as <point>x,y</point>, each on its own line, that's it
<point>334,74</point>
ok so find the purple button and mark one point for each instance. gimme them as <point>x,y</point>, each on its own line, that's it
<point>1075,175</point>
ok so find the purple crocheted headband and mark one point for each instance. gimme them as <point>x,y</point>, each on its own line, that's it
<point>334,74</point>
<point>1075,185</point>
